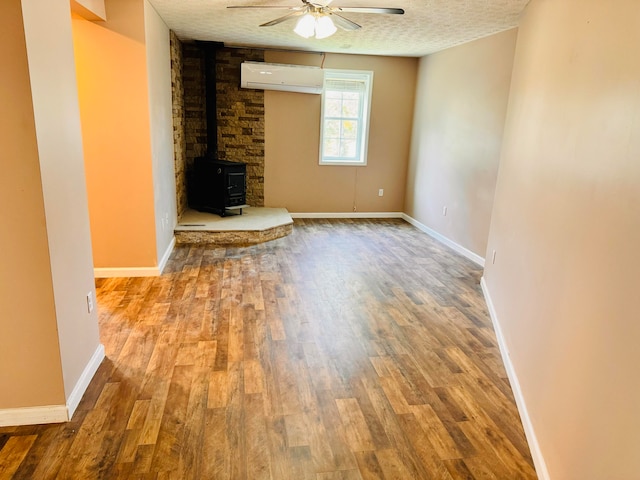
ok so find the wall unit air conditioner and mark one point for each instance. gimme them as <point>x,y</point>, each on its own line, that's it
<point>276,76</point>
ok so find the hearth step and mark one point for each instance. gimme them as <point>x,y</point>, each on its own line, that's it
<point>255,225</point>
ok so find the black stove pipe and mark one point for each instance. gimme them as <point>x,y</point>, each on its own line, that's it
<point>210,49</point>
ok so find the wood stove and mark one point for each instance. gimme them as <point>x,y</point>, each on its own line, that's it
<point>213,185</point>
<point>217,186</point>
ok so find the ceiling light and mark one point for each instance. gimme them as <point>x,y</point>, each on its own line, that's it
<point>306,26</point>
<point>324,27</point>
<point>320,25</point>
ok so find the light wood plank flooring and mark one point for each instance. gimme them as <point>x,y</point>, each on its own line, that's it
<point>348,350</point>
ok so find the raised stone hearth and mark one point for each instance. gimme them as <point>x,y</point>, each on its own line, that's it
<point>255,225</point>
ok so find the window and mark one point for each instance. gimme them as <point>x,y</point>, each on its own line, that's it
<point>344,128</point>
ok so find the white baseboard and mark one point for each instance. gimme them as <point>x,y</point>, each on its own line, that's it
<point>348,215</point>
<point>126,272</point>
<point>167,254</point>
<point>534,446</point>
<point>108,272</point>
<point>12,417</point>
<point>442,239</point>
<point>83,382</point>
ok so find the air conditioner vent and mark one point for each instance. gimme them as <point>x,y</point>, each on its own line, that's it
<point>276,76</point>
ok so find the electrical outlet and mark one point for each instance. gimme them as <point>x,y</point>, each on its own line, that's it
<point>381,192</point>
<point>90,302</point>
<point>444,211</point>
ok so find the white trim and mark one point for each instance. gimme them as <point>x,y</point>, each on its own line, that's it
<point>167,254</point>
<point>364,116</point>
<point>348,215</point>
<point>534,446</point>
<point>474,257</point>
<point>126,272</point>
<point>12,417</point>
<point>109,272</point>
<point>83,382</point>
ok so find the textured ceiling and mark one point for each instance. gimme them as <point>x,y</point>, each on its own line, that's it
<point>426,27</point>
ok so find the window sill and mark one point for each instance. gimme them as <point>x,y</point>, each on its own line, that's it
<point>344,164</point>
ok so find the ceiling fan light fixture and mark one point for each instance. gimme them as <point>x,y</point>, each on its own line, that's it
<point>324,27</point>
<point>317,24</point>
<point>306,26</point>
<point>320,19</point>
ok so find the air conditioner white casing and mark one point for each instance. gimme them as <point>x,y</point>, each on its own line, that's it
<point>276,76</point>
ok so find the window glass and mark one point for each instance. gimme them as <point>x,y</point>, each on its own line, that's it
<point>345,117</point>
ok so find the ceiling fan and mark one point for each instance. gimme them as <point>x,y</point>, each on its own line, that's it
<point>320,18</point>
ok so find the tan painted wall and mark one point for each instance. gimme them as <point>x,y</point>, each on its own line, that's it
<point>114,107</point>
<point>89,9</point>
<point>161,127</point>
<point>566,228</point>
<point>47,337</point>
<point>461,102</point>
<point>293,178</point>
<point>57,118</point>
<point>30,369</point>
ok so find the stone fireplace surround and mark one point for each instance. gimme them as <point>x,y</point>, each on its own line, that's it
<point>240,138</point>
<point>239,113</point>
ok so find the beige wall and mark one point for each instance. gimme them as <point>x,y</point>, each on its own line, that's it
<point>161,127</point>
<point>114,106</point>
<point>48,338</point>
<point>30,369</point>
<point>89,9</point>
<point>566,229</point>
<point>461,102</point>
<point>293,178</point>
<point>57,117</point>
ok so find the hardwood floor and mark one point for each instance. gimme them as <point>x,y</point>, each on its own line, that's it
<point>348,350</point>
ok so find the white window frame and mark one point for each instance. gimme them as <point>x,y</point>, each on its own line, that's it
<point>364,115</point>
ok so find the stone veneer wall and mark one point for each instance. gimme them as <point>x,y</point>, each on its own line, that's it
<point>240,114</point>
<point>241,119</point>
<point>179,142</point>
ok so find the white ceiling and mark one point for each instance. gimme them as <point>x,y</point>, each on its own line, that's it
<point>426,27</point>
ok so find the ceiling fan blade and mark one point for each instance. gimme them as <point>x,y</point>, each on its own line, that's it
<point>281,7</point>
<point>284,19</point>
<point>396,11</point>
<point>344,23</point>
